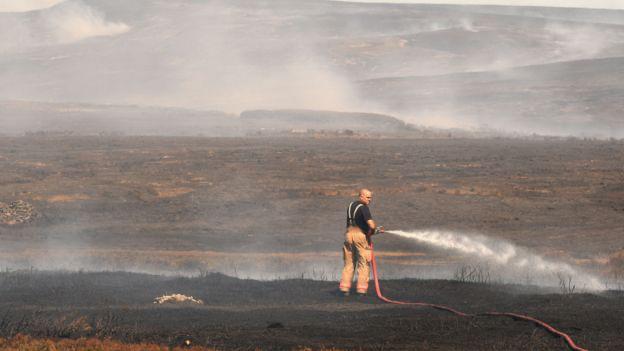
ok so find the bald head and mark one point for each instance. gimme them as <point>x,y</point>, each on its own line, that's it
<point>365,196</point>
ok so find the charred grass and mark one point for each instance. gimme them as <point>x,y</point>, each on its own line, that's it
<point>291,314</point>
<point>561,198</point>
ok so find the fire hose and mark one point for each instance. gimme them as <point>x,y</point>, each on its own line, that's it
<point>515,316</point>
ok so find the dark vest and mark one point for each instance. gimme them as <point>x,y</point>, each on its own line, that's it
<point>351,212</point>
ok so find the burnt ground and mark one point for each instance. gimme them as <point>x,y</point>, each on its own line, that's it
<point>287,314</point>
<point>107,202</point>
<point>273,208</point>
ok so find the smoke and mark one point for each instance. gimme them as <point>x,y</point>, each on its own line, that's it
<point>236,56</point>
<point>76,21</point>
<point>579,42</point>
<point>241,85</point>
<point>64,254</point>
<point>208,55</point>
<point>514,262</point>
<point>467,24</point>
<point>232,60</point>
<point>66,23</point>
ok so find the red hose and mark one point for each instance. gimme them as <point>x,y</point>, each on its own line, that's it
<point>538,322</point>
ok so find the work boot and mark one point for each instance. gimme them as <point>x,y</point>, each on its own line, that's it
<point>361,293</point>
<point>345,293</point>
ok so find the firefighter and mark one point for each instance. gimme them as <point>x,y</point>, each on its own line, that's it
<point>356,249</point>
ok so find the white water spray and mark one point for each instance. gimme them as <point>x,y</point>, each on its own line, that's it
<point>504,254</point>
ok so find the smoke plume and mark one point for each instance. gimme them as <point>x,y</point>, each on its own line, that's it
<point>65,23</point>
<point>76,21</point>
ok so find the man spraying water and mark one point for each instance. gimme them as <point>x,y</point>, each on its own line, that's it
<point>356,248</point>
<point>358,252</point>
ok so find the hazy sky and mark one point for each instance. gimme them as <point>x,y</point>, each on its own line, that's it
<point>29,5</point>
<point>25,5</point>
<point>607,4</point>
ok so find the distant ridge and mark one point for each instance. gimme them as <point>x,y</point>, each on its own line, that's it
<point>331,120</point>
<point>20,117</point>
<point>582,98</point>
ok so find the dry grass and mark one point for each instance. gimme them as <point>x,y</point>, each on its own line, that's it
<point>26,343</point>
<point>63,198</point>
<point>163,191</point>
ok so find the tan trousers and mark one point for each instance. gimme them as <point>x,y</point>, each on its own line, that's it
<point>356,252</point>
